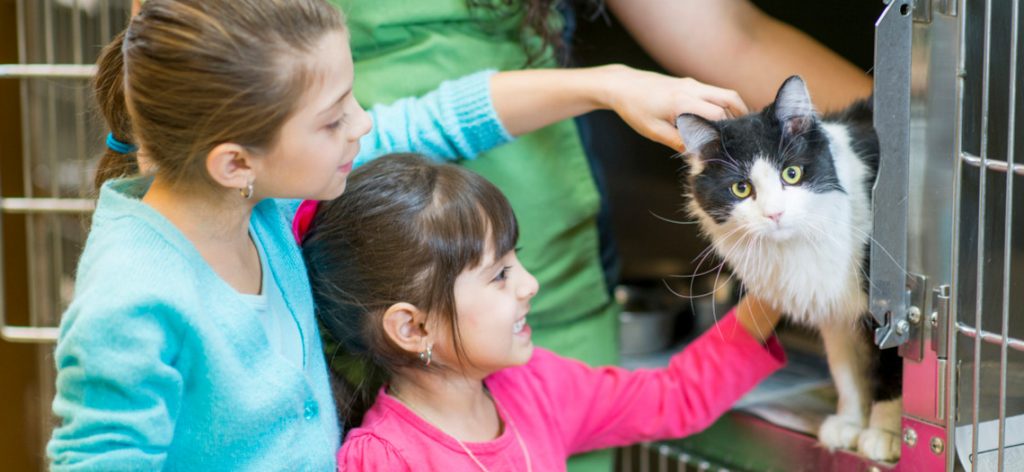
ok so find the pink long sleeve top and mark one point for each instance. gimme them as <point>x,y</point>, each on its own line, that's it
<point>562,407</point>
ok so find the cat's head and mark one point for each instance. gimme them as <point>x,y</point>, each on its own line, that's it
<point>762,174</point>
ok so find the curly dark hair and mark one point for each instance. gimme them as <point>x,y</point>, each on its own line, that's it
<point>539,17</point>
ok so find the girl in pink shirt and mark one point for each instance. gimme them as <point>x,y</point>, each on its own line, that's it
<point>414,269</point>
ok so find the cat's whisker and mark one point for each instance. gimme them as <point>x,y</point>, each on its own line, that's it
<point>872,239</point>
<point>700,295</point>
<point>714,311</point>
<point>668,220</point>
<point>703,254</point>
<point>760,301</point>
<point>858,267</point>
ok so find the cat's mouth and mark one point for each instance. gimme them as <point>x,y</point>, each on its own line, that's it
<point>779,232</point>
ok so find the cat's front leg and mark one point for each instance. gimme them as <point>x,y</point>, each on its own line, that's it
<point>881,441</point>
<point>848,361</point>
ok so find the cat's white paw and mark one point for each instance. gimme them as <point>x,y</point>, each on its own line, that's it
<point>881,441</point>
<point>839,432</point>
<point>879,444</point>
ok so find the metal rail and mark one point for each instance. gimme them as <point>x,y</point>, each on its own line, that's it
<point>47,71</point>
<point>991,338</point>
<point>48,207</point>
<point>993,164</point>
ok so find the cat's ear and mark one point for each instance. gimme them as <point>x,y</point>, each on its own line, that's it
<point>793,107</point>
<point>695,131</point>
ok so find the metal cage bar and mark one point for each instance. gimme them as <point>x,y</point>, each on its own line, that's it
<point>980,275</point>
<point>1008,235</point>
<point>952,368</point>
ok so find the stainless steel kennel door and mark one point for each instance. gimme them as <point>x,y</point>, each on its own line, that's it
<point>964,360</point>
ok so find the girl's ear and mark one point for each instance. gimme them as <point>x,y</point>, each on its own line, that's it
<point>406,325</point>
<point>230,165</point>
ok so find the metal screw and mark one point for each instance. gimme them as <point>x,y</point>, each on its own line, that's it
<point>934,318</point>
<point>910,436</point>
<point>914,314</point>
<point>937,445</point>
<point>874,468</point>
<point>902,327</point>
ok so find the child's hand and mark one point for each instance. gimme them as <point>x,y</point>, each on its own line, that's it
<point>650,102</point>
<point>757,317</point>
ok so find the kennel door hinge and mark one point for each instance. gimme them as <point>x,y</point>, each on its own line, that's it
<point>938,320</point>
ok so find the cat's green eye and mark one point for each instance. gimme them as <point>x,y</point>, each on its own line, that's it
<point>741,189</point>
<point>792,174</point>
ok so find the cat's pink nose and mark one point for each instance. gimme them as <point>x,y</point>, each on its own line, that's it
<point>774,216</point>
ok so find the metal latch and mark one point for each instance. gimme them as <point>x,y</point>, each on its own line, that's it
<point>914,325</point>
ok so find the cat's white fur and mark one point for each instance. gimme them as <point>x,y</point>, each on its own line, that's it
<point>809,265</point>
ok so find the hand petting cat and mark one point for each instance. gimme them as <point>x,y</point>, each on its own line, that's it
<point>648,102</point>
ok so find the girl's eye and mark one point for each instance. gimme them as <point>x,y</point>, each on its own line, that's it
<point>792,174</point>
<point>502,274</point>
<point>334,125</point>
<point>741,189</point>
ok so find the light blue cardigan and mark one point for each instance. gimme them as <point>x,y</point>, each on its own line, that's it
<point>161,364</point>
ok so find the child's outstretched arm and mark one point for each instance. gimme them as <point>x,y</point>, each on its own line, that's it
<point>649,102</point>
<point>594,408</point>
<point>467,116</point>
<point>455,121</point>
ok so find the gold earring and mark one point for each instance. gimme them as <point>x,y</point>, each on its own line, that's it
<point>427,355</point>
<point>247,191</point>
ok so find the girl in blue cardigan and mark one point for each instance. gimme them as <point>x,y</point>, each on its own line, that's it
<point>191,342</point>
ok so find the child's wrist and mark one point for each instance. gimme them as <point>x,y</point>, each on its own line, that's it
<point>604,85</point>
<point>757,317</point>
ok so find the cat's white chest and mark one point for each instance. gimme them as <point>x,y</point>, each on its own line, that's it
<point>813,281</point>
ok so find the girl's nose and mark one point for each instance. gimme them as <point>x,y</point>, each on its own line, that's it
<point>361,124</point>
<point>529,286</point>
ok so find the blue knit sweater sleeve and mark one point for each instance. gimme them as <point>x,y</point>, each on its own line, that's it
<point>116,383</point>
<point>455,121</point>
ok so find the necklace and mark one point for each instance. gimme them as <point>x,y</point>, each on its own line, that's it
<point>508,420</point>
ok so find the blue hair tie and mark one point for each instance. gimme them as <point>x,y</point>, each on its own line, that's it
<point>118,146</point>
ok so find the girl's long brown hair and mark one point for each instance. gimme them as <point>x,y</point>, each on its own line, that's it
<point>403,231</point>
<point>187,75</point>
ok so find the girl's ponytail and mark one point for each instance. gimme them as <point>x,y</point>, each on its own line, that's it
<point>109,89</point>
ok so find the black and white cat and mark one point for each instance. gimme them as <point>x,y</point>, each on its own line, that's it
<point>784,197</point>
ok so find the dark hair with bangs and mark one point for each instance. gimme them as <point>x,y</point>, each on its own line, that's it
<point>403,231</point>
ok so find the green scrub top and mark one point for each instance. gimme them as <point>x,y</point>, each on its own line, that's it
<point>407,48</point>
